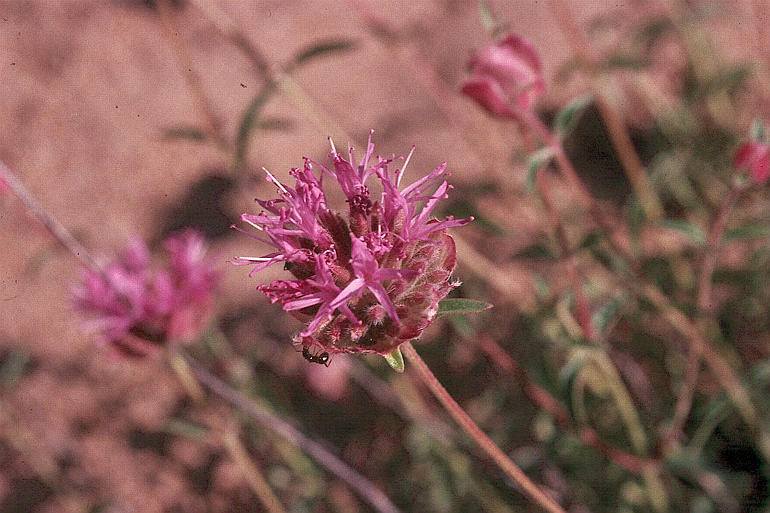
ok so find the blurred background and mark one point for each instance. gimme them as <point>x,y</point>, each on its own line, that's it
<point>139,117</point>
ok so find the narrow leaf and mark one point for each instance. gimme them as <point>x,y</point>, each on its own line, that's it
<point>693,232</point>
<point>758,130</point>
<point>461,307</point>
<point>191,133</point>
<point>395,359</point>
<point>535,162</point>
<point>320,49</point>
<point>623,62</point>
<point>749,231</point>
<point>568,117</point>
<point>187,429</point>
<point>247,125</point>
<point>729,79</point>
<point>570,114</point>
<point>13,367</point>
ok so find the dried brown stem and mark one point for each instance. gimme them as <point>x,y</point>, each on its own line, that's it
<point>56,229</point>
<point>173,34</point>
<point>252,474</point>
<point>478,436</point>
<point>365,488</point>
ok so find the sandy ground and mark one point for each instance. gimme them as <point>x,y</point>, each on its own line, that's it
<point>86,89</point>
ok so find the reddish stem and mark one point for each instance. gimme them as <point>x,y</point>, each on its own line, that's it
<point>542,398</point>
<point>478,436</point>
<point>703,302</point>
<point>365,488</point>
<point>56,229</point>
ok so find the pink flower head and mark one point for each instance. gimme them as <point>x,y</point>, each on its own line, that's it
<point>506,78</point>
<point>137,310</point>
<point>366,283</point>
<point>754,156</point>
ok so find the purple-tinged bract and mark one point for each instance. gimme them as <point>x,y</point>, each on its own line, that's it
<point>368,282</point>
<point>754,157</point>
<point>137,310</point>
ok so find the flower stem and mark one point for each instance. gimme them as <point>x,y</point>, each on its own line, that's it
<point>365,488</point>
<point>616,128</point>
<point>703,302</point>
<point>478,436</point>
<point>252,474</point>
<point>56,229</point>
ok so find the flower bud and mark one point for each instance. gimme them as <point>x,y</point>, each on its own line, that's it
<point>754,157</point>
<point>506,77</point>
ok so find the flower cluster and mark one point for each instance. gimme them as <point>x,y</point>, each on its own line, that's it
<point>506,78</point>
<point>137,310</point>
<point>366,283</point>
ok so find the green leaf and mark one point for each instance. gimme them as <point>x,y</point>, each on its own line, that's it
<point>249,121</point>
<point>758,130</point>
<point>536,161</point>
<point>728,79</point>
<point>460,306</point>
<point>623,62</point>
<point>191,133</point>
<point>693,232</point>
<point>749,231</point>
<point>654,30</point>
<point>603,317</point>
<point>462,325</point>
<point>395,359</point>
<point>568,117</point>
<point>491,23</point>
<point>187,429</point>
<point>13,367</point>
<point>487,18</point>
<point>536,251</point>
<point>320,49</point>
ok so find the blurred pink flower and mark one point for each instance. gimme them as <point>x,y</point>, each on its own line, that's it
<point>506,78</point>
<point>137,311</point>
<point>754,156</point>
<point>368,283</point>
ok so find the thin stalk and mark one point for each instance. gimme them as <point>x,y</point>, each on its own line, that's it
<point>271,74</point>
<point>566,167</point>
<point>365,488</point>
<point>703,302</point>
<point>56,229</point>
<point>616,128</point>
<point>478,436</point>
<point>252,474</point>
<point>547,402</point>
<point>693,335</point>
<point>194,82</point>
<point>582,307</point>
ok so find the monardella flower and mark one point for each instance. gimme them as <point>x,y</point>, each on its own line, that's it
<point>754,156</point>
<point>367,283</point>
<point>137,310</point>
<point>506,78</point>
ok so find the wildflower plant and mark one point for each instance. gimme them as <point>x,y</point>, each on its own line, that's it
<point>136,310</point>
<point>368,282</point>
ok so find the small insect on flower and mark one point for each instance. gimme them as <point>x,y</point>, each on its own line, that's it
<point>321,358</point>
<point>365,283</point>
